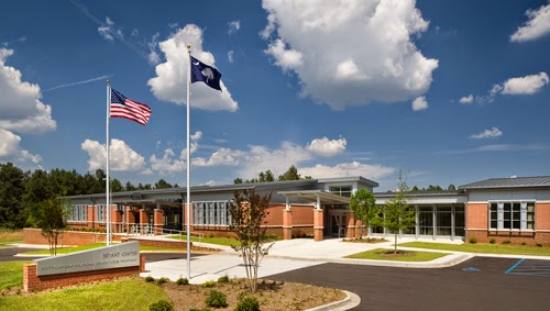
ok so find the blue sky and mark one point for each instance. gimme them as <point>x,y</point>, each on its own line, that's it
<point>326,87</point>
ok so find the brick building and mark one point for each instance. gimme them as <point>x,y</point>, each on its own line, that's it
<point>514,209</point>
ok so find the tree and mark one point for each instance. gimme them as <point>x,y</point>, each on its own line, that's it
<point>451,187</point>
<point>363,205</point>
<point>116,185</point>
<point>238,181</point>
<point>290,174</point>
<point>398,215</point>
<point>12,188</point>
<point>162,184</point>
<point>130,187</point>
<point>50,218</point>
<point>248,211</point>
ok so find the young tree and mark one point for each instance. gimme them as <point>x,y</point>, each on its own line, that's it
<point>398,215</point>
<point>50,218</point>
<point>248,211</point>
<point>290,174</point>
<point>363,205</point>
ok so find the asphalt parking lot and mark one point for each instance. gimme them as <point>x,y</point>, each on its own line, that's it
<point>477,284</point>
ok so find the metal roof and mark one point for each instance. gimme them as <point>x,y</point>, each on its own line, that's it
<point>509,182</point>
<point>312,195</point>
<point>358,179</point>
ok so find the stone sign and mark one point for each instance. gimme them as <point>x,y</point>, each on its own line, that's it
<point>108,257</point>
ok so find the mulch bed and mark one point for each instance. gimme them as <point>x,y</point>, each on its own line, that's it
<point>272,295</point>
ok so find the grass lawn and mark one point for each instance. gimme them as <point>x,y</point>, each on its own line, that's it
<point>68,250</point>
<point>11,275</point>
<point>123,294</point>
<point>212,240</point>
<point>8,236</point>
<point>387,254</point>
<point>484,248</point>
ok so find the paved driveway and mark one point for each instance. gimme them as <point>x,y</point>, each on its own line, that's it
<point>7,253</point>
<point>483,286</point>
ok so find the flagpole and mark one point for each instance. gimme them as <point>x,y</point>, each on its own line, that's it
<point>188,195</point>
<point>108,156</point>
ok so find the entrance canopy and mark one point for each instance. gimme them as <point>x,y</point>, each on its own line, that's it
<point>317,196</point>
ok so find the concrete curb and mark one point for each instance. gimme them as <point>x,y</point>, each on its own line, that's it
<point>454,260</point>
<point>351,301</point>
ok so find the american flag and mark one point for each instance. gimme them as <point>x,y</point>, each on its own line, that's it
<point>123,107</point>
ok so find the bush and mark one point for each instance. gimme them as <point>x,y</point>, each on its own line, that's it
<point>492,241</point>
<point>506,242</point>
<point>149,279</point>
<point>162,281</point>
<point>247,303</point>
<point>182,281</point>
<point>223,279</point>
<point>472,240</point>
<point>201,309</point>
<point>161,305</point>
<point>216,299</point>
<point>539,244</point>
<point>209,284</point>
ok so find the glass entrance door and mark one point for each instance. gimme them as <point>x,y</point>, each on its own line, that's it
<point>337,223</point>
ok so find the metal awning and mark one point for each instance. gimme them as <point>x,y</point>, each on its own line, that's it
<point>314,195</point>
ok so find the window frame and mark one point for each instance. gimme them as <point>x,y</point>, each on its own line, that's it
<point>506,217</point>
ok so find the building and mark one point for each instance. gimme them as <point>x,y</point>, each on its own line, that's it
<point>500,209</point>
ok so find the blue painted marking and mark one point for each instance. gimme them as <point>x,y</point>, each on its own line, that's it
<point>514,266</point>
<point>470,269</point>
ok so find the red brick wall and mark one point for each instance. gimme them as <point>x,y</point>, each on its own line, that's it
<point>527,238</point>
<point>476,216</point>
<point>34,236</point>
<point>33,282</point>
<point>542,216</point>
<point>302,214</point>
<point>274,215</point>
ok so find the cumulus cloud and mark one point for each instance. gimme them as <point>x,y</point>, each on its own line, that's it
<point>171,76</point>
<point>231,56</point>
<point>488,133</point>
<point>220,157</point>
<point>326,147</point>
<point>21,107</point>
<point>233,27</point>
<point>169,162</point>
<point>526,85</point>
<point>123,157</point>
<point>153,57</point>
<point>537,26</point>
<point>419,103</point>
<point>11,150</point>
<point>318,40</point>
<point>466,99</point>
<point>348,169</point>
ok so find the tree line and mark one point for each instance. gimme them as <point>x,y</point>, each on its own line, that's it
<point>267,176</point>
<point>21,192</point>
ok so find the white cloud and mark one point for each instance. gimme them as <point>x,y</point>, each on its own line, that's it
<point>537,26</point>
<point>171,76</point>
<point>170,163</point>
<point>285,58</point>
<point>350,54</point>
<point>419,104</point>
<point>467,99</point>
<point>233,26</point>
<point>21,108</point>
<point>347,169</point>
<point>231,56</point>
<point>123,157</point>
<point>10,149</point>
<point>488,133</point>
<point>327,147</point>
<point>220,157</point>
<point>109,31</point>
<point>153,57</point>
<point>261,158</point>
<point>527,85</point>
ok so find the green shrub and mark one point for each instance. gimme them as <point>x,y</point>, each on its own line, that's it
<point>209,284</point>
<point>216,299</point>
<point>539,244</point>
<point>492,241</point>
<point>247,303</point>
<point>523,243</point>
<point>149,279</point>
<point>223,279</point>
<point>472,240</point>
<point>161,305</point>
<point>162,281</point>
<point>182,281</point>
<point>201,309</point>
<point>506,242</point>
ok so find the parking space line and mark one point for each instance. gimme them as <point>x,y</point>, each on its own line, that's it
<point>514,266</point>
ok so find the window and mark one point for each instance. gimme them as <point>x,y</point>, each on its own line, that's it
<point>512,215</point>
<point>100,212</point>
<point>78,212</point>
<point>344,191</point>
<point>425,220</point>
<point>211,213</point>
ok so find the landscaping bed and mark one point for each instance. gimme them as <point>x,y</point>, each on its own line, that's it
<point>366,240</point>
<point>388,254</point>
<point>507,249</point>
<point>271,295</point>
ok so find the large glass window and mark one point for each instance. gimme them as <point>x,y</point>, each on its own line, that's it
<point>211,213</point>
<point>512,215</point>
<point>100,212</point>
<point>78,212</point>
<point>344,191</point>
<point>443,221</point>
<point>425,221</point>
<point>459,221</point>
